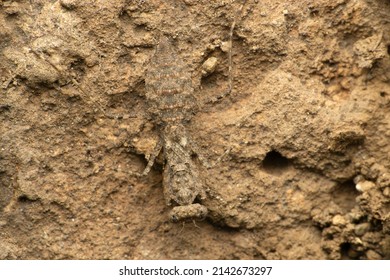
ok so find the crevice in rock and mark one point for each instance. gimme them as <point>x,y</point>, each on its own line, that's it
<point>25,199</point>
<point>275,162</point>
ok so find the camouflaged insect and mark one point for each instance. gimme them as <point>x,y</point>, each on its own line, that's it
<point>171,104</point>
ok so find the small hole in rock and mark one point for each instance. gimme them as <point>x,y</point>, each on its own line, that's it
<point>388,49</point>
<point>383,93</point>
<point>348,252</point>
<point>344,248</point>
<point>24,199</point>
<point>275,161</point>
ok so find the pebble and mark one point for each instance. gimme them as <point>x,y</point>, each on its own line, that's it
<point>372,255</point>
<point>338,220</point>
<point>365,186</point>
<point>352,253</point>
<point>68,4</point>
<point>358,179</point>
<point>209,66</point>
<point>361,229</point>
<point>225,47</point>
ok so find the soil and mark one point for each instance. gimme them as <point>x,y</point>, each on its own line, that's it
<point>306,129</point>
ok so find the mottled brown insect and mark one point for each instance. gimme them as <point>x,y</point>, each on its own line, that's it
<point>171,104</point>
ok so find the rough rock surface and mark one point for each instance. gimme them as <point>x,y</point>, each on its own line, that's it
<point>307,127</point>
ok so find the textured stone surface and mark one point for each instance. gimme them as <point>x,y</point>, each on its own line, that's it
<point>308,113</point>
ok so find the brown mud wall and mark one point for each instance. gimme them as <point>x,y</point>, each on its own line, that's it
<point>307,127</point>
